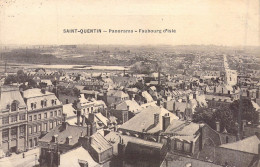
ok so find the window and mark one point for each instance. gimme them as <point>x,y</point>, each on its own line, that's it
<point>5,134</point>
<point>51,113</point>
<point>35,128</point>
<point>30,118</point>
<point>22,130</point>
<point>55,113</point>
<point>14,132</point>
<point>39,128</point>
<point>179,145</point>
<point>59,112</point>
<point>44,103</point>
<point>14,118</point>
<point>45,115</point>
<point>40,116</point>
<point>22,117</point>
<point>30,130</point>
<point>51,125</point>
<point>45,127</point>
<point>5,120</point>
<point>35,117</point>
<point>33,106</point>
<point>187,147</point>
<point>14,106</point>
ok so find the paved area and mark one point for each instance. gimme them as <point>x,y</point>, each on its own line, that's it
<point>17,160</point>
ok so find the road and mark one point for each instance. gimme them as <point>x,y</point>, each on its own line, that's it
<point>17,160</point>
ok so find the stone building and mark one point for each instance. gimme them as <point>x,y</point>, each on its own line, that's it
<point>13,120</point>
<point>44,113</point>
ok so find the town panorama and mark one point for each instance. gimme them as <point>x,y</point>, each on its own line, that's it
<point>127,106</point>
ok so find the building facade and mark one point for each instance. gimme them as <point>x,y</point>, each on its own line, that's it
<point>13,120</point>
<point>44,114</point>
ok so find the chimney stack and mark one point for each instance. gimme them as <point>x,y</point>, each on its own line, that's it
<point>78,117</point>
<point>217,126</point>
<point>194,95</point>
<point>156,118</point>
<point>201,136</point>
<point>88,130</point>
<point>64,117</point>
<point>165,121</point>
<point>258,150</point>
<point>159,102</point>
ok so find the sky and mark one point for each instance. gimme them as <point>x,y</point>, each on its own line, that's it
<point>200,22</point>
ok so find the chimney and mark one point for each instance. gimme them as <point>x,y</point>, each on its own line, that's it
<point>67,101</point>
<point>88,130</point>
<point>83,121</point>
<point>65,125</point>
<point>78,117</point>
<point>165,105</point>
<point>165,121</point>
<point>159,102</point>
<point>194,95</point>
<point>156,118</point>
<point>258,150</point>
<point>121,148</point>
<point>64,117</point>
<point>217,126</point>
<point>68,140</point>
<point>201,136</point>
<point>127,107</point>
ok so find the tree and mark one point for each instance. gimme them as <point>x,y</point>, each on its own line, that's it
<point>10,79</point>
<point>32,83</point>
<point>21,76</point>
<point>248,112</point>
<point>223,115</point>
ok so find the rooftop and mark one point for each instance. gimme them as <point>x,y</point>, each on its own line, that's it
<point>249,145</point>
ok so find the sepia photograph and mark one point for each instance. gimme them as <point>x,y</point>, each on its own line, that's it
<point>140,83</point>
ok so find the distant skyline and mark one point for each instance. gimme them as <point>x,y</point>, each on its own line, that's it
<point>202,22</point>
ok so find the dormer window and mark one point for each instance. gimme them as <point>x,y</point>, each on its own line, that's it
<point>53,101</point>
<point>44,103</point>
<point>14,106</point>
<point>33,105</point>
